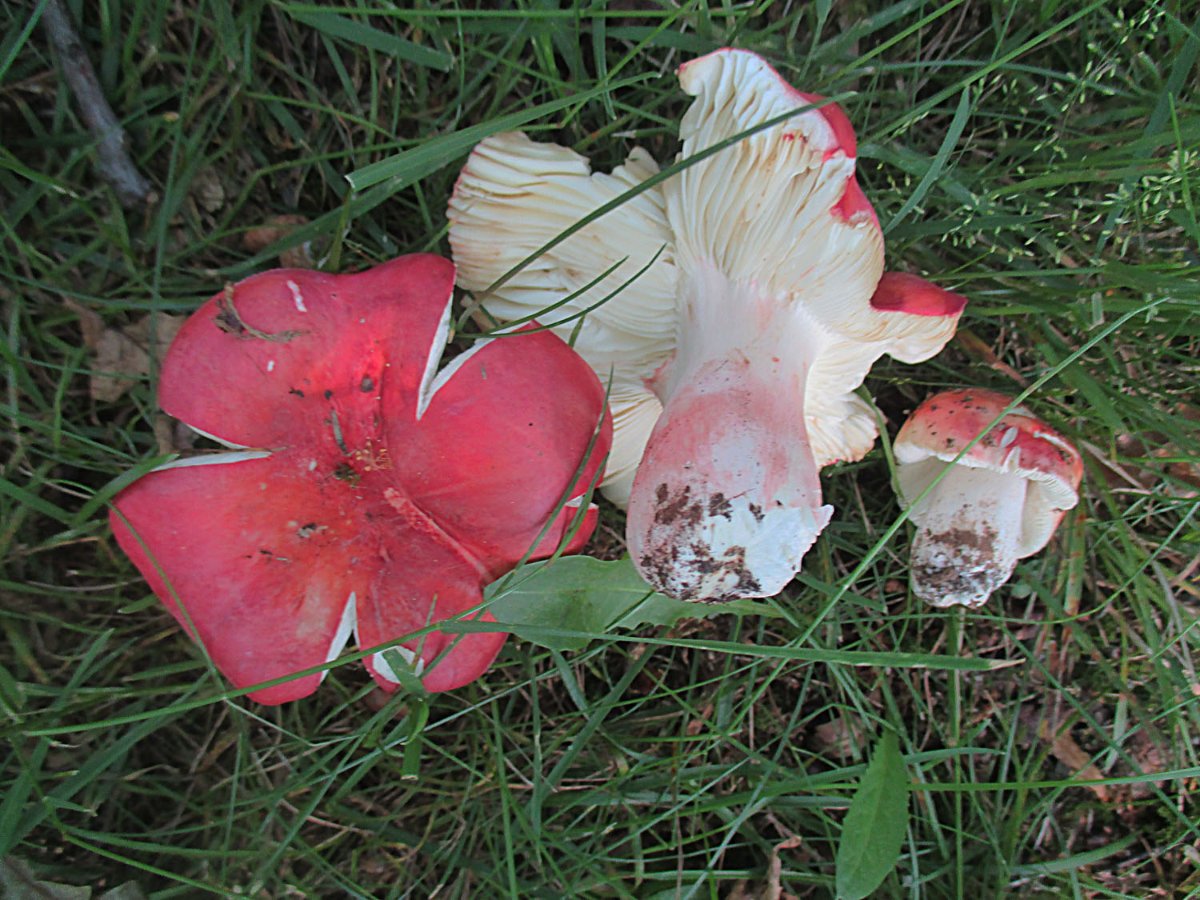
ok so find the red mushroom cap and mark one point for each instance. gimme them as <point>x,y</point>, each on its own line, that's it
<point>382,494</point>
<point>912,294</point>
<point>946,422</point>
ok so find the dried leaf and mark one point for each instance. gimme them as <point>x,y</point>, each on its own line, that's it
<point>1074,757</point>
<point>172,436</point>
<point>121,356</point>
<point>208,191</point>
<point>839,738</point>
<point>276,229</point>
<point>1150,759</point>
<point>775,869</point>
<point>978,348</point>
<point>91,323</point>
<point>18,880</point>
<point>773,889</point>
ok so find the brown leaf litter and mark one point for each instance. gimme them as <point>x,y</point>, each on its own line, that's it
<point>122,356</point>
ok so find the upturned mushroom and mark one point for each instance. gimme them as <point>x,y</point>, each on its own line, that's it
<point>735,308</point>
<point>365,491</point>
<point>999,502</point>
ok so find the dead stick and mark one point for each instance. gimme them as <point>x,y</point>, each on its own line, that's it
<point>112,159</point>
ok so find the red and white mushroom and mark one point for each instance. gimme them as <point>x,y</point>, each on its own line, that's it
<point>735,308</point>
<point>367,493</point>
<point>998,503</point>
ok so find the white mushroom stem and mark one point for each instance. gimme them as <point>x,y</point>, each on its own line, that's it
<point>969,530</point>
<point>727,498</point>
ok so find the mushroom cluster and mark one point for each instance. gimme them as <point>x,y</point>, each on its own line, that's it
<point>986,484</point>
<point>734,308</point>
<point>365,492</point>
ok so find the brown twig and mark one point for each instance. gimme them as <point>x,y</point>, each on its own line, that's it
<point>112,159</point>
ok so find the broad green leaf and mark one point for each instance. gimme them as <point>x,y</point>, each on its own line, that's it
<point>579,598</point>
<point>17,880</point>
<point>873,832</point>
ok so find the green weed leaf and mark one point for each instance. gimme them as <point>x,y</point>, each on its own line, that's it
<point>566,604</point>
<point>873,832</point>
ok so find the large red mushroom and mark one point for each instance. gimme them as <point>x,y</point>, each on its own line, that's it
<point>366,492</point>
<point>736,307</point>
<point>999,501</point>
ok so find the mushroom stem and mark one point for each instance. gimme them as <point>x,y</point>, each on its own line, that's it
<point>967,543</point>
<point>727,498</point>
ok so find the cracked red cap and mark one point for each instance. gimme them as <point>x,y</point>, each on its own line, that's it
<point>368,493</point>
<point>999,503</point>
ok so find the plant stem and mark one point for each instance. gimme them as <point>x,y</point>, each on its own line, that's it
<point>112,158</point>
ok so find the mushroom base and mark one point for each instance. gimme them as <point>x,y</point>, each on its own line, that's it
<point>727,498</point>
<point>721,508</point>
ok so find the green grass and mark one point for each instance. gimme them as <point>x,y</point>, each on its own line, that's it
<point>1038,157</point>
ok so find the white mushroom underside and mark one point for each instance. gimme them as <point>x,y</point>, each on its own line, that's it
<point>214,459</point>
<point>346,627</point>
<point>634,414</point>
<point>968,534</point>
<point>516,195</point>
<point>432,379</point>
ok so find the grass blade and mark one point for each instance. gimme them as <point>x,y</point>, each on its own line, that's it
<point>372,38</point>
<point>412,165</point>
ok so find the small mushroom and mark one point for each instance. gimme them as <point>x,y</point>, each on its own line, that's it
<point>367,492</point>
<point>735,309</point>
<point>998,503</point>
